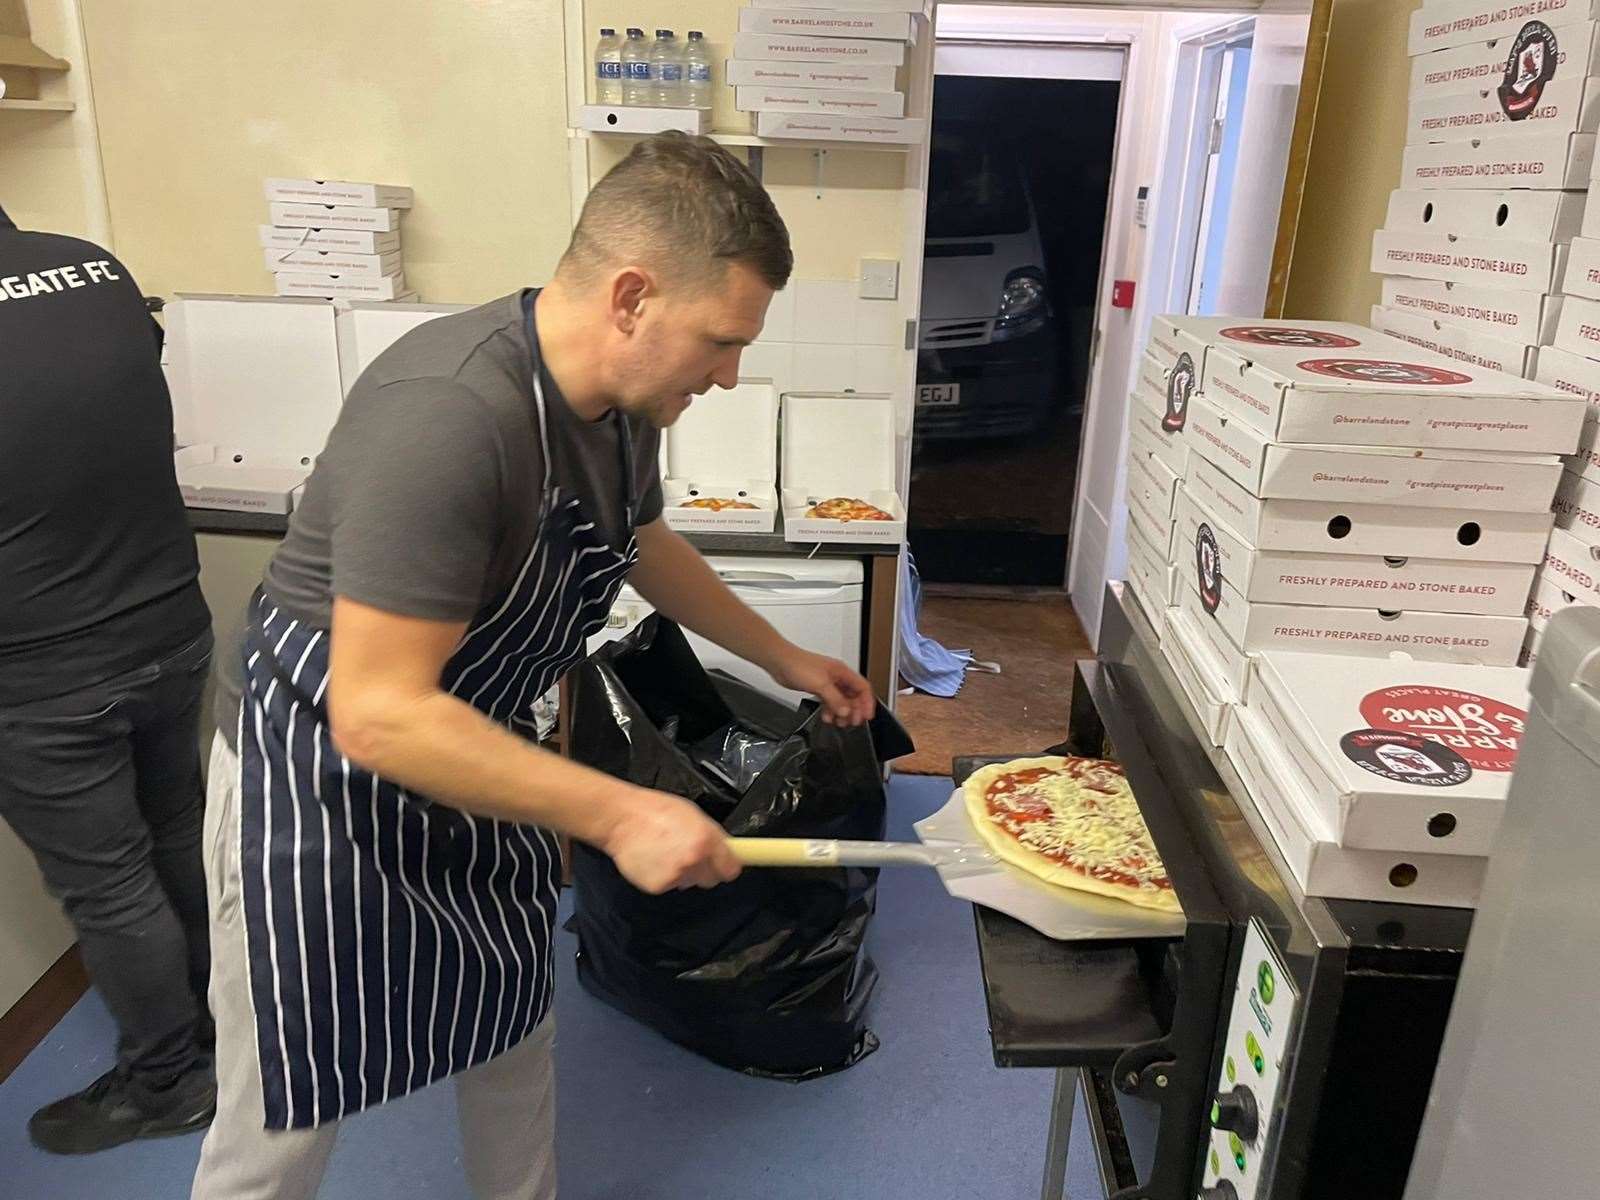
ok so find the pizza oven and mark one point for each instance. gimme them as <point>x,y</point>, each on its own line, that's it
<point>1282,1047</point>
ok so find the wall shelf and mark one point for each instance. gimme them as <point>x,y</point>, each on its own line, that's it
<point>55,106</point>
<point>750,139</point>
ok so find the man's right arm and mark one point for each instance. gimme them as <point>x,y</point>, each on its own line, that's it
<point>389,715</point>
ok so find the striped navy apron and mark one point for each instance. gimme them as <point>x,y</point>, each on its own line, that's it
<point>393,942</point>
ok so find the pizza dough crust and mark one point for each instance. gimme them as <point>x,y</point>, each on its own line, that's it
<point>1008,849</point>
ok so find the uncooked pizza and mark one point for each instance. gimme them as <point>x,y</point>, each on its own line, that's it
<point>845,508</point>
<point>715,503</point>
<point>1072,822</point>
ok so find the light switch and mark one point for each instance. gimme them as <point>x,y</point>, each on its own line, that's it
<point>880,279</point>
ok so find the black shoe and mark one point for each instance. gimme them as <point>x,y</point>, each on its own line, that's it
<point>113,1110</point>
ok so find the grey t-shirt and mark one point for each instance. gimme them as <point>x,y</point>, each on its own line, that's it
<point>425,501</point>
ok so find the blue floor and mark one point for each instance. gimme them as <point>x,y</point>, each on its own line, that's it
<point>927,1116</point>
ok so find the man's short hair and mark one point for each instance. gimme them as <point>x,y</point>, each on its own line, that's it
<point>687,204</point>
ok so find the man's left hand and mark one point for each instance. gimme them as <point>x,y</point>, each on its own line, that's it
<point>845,696</point>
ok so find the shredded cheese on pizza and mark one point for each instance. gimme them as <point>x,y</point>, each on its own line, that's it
<point>1073,822</point>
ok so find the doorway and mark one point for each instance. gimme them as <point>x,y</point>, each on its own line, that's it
<point>1018,184</point>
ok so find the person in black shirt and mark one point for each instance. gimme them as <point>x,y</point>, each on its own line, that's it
<point>105,641</point>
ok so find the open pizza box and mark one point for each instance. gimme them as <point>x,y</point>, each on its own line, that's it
<point>1401,755</point>
<point>1431,478</point>
<point>367,328</point>
<point>1200,673</point>
<point>839,444</point>
<point>1501,312</point>
<point>1387,392</point>
<point>1318,863</point>
<point>255,390</point>
<point>1334,527</point>
<point>725,446</point>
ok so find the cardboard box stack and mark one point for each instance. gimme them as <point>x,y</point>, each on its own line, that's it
<point>826,73</point>
<point>1500,138</point>
<point>333,240</point>
<point>1311,486</point>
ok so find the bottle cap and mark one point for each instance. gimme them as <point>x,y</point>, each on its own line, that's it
<point>604,32</point>
<point>663,33</point>
<point>695,35</point>
<point>635,31</point>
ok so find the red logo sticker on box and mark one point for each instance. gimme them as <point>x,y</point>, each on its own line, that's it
<point>1531,64</point>
<point>1379,370</point>
<point>1405,758</point>
<point>1484,731</point>
<point>1261,335</point>
<point>1180,386</point>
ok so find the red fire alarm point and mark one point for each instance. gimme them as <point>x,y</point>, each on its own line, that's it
<point>1122,293</point>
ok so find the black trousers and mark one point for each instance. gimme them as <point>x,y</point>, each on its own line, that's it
<point>103,785</point>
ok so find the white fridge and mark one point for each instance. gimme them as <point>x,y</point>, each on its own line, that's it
<point>815,603</point>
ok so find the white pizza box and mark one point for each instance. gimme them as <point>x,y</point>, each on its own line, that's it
<point>1430,478</point>
<point>1148,417</point>
<point>838,127</point>
<point>1578,331</point>
<point>1150,577</point>
<point>1570,104</point>
<point>339,287</point>
<point>1459,22</point>
<point>853,77</point>
<point>1504,215</point>
<point>1199,674</point>
<point>1484,261</point>
<point>337,191</point>
<point>1547,161</point>
<point>339,241</point>
<point>1402,755</point>
<point>1388,393</point>
<point>366,328</point>
<point>1369,581</point>
<point>1547,600</point>
<point>1305,840</point>
<point>1582,276</point>
<point>1458,343</point>
<point>1586,462</point>
<point>1573,566</point>
<point>1577,507</point>
<point>1216,627</point>
<point>617,118</point>
<point>1152,526</point>
<point>255,390</point>
<point>839,444</point>
<point>1575,374</point>
<point>1480,66</point>
<point>829,22</point>
<point>724,445</point>
<point>819,100</point>
<point>332,262</point>
<point>1163,394</point>
<point>1158,481</point>
<point>1172,337</point>
<point>1517,316</point>
<point>1386,529</point>
<point>790,47</point>
<point>334,216</point>
<point>1530,650</point>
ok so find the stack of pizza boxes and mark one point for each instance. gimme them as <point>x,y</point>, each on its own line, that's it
<point>1571,571</point>
<point>1385,782</point>
<point>1342,493</point>
<point>336,240</point>
<point>1500,136</point>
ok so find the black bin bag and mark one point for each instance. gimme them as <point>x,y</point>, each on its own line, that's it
<point>769,974</point>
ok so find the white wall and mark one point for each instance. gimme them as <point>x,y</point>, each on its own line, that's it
<point>33,933</point>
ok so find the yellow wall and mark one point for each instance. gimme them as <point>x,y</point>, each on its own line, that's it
<point>1354,162</point>
<point>198,103</point>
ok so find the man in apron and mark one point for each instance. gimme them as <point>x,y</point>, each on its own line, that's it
<point>382,836</point>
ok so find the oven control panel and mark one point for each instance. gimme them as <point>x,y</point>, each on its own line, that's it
<point>1239,1119</point>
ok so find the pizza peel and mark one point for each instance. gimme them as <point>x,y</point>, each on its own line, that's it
<point>971,871</point>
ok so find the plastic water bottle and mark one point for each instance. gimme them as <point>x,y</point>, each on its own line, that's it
<point>636,86</point>
<point>608,68</point>
<point>697,72</point>
<point>666,70</point>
